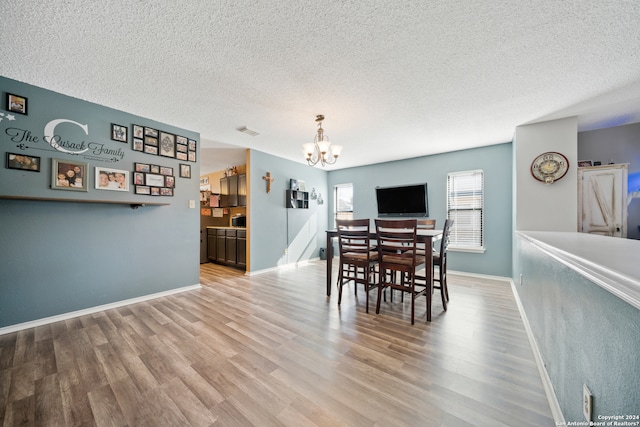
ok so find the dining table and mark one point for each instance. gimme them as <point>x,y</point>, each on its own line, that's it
<point>428,237</point>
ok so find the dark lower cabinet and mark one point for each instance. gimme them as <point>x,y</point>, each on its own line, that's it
<point>227,246</point>
<point>230,245</point>
<point>241,246</point>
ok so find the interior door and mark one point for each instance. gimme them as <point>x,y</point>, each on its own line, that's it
<point>602,199</point>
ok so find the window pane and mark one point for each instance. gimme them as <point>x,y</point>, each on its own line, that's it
<point>465,206</point>
<point>343,206</point>
<point>344,198</point>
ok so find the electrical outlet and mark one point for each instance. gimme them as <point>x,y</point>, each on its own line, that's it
<point>286,251</point>
<point>521,280</point>
<point>587,402</point>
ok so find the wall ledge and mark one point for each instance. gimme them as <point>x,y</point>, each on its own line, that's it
<point>610,262</point>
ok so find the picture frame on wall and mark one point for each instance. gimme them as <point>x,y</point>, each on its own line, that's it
<point>185,171</point>
<point>151,132</point>
<point>154,180</point>
<point>166,170</point>
<point>119,132</point>
<point>111,179</point>
<point>23,162</point>
<point>17,104</point>
<point>137,131</point>
<point>138,178</point>
<point>137,145</point>
<point>142,167</point>
<point>69,175</point>
<point>143,189</point>
<point>167,144</point>
<point>150,149</point>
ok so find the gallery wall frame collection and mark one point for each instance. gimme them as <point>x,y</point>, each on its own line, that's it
<point>153,180</point>
<point>147,179</point>
<point>160,143</point>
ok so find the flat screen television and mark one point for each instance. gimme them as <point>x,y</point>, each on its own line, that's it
<point>403,201</point>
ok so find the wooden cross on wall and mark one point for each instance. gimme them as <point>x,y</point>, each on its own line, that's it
<point>269,180</point>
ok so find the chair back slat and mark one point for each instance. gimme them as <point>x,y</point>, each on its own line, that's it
<point>426,224</point>
<point>353,236</point>
<point>397,243</point>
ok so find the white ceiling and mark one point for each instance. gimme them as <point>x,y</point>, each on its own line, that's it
<point>394,79</point>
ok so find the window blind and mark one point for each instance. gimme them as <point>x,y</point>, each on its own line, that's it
<point>465,206</point>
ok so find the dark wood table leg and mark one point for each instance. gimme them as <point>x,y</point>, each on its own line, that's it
<point>329,252</point>
<point>429,277</point>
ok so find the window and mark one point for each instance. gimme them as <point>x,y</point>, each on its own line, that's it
<point>465,206</point>
<point>343,202</point>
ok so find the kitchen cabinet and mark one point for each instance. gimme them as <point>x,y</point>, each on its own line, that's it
<point>241,247</point>
<point>227,246</point>
<point>233,191</point>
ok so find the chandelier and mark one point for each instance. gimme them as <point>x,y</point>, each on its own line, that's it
<point>321,150</point>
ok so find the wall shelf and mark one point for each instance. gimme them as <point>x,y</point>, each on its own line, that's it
<point>133,204</point>
<point>296,199</point>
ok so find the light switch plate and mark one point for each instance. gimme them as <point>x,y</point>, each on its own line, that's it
<point>192,204</point>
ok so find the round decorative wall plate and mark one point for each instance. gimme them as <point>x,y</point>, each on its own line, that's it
<point>549,167</point>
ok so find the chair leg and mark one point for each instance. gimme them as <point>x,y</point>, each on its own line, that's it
<point>380,286</point>
<point>340,273</point>
<point>367,272</point>
<point>445,285</point>
<point>413,299</point>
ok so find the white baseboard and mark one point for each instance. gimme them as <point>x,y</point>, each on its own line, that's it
<point>91,310</point>
<point>556,412</point>
<point>283,266</point>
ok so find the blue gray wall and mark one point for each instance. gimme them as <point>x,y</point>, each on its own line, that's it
<point>585,334</point>
<point>57,256</point>
<point>275,228</point>
<point>494,160</point>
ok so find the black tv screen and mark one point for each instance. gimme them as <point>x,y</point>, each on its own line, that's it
<point>403,201</point>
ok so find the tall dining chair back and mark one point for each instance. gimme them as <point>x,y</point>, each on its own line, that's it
<point>440,261</point>
<point>397,245</point>
<point>358,258</point>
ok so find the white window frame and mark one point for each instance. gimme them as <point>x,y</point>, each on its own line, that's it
<point>341,214</point>
<point>468,235</point>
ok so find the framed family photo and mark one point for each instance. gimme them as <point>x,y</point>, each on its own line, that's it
<point>112,179</point>
<point>69,175</point>
<point>16,103</point>
<point>23,162</point>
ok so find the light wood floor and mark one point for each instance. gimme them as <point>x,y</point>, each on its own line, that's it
<point>272,350</point>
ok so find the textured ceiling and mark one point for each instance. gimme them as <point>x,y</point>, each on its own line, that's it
<point>394,79</point>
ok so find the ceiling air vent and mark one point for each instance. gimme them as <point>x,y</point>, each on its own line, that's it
<point>248,131</point>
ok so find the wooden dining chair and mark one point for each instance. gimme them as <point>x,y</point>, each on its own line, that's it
<point>440,261</point>
<point>358,257</point>
<point>425,224</point>
<point>397,257</point>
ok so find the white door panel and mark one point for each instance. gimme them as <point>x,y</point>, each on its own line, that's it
<point>602,200</point>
